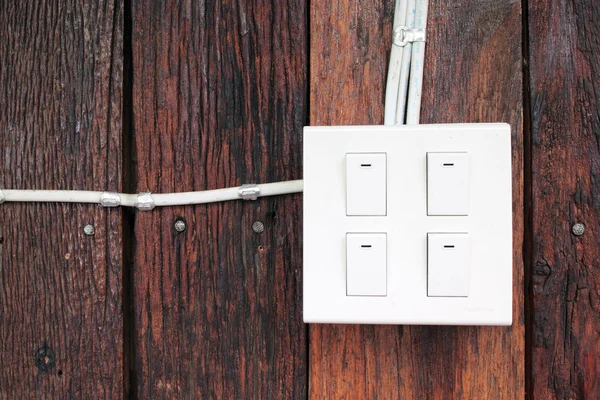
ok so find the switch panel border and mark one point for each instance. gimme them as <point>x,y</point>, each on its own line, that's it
<point>489,225</point>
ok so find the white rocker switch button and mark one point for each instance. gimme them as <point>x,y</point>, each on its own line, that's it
<point>366,184</point>
<point>447,183</point>
<point>366,264</point>
<point>448,264</point>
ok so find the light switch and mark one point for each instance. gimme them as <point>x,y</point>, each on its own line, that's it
<point>366,264</point>
<point>448,264</point>
<point>447,184</point>
<point>366,181</point>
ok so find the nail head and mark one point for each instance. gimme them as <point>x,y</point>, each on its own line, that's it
<point>89,230</point>
<point>578,229</point>
<point>258,227</point>
<point>180,226</point>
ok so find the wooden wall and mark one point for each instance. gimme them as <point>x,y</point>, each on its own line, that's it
<point>173,96</point>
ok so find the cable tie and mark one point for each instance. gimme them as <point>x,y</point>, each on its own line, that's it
<point>2,197</point>
<point>249,191</point>
<point>403,35</point>
<point>110,199</point>
<point>144,201</point>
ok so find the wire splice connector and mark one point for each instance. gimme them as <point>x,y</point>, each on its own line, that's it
<point>404,35</point>
<point>249,191</point>
<point>145,202</point>
<point>110,199</point>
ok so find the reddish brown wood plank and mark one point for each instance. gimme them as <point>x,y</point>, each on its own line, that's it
<point>565,110</point>
<point>472,74</point>
<point>220,99</point>
<point>61,320</point>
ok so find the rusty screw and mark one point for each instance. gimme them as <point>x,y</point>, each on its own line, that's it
<point>578,229</point>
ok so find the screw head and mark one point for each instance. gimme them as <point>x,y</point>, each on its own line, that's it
<point>179,226</point>
<point>89,230</point>
<point>258,227</point>
<point>578,229</point>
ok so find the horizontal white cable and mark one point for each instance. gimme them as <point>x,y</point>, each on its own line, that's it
<point>212,196</point>
<point>51,196</point>
<point>147,201</point>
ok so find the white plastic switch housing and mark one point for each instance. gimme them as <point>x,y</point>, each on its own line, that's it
<point>407,225</point>
<point>366,184</point>
<point>448,183</point>
<point>366,260</point>
<point>448,264</point>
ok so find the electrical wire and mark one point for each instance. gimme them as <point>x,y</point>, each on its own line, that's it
<point>404,72</point>
<point>393,79</point>
<point>159,200</point>
<point>212,196</point>
<point>416,71</point>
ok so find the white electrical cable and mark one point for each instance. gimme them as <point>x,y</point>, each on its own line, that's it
<point>416,71</point>
<point>405,68</point>
<point>147,201</point>
<point>393,80</point>
<point>405,73</point>
<point>212,196</point>
<point>51,196</point>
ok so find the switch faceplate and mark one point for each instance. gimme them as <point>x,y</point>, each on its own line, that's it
<point>366,260</point>
<point>447,183</point>
<point>479,293</point>
<point>366,184</point>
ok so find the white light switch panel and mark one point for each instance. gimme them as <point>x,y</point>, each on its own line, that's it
<point>411,282</point>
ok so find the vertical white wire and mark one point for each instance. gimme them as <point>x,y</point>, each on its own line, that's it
<point>393,79</point>
<point>405,68</point>
<point>416,71</point>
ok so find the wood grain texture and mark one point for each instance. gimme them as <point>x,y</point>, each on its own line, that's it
<point>465,81</point>
<point>61,320</point>
<point>565,109</point>
<point>220,99</point>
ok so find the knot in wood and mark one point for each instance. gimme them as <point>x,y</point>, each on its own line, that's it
<point>45,359</point>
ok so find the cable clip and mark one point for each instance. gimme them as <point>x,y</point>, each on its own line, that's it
<point>110,199</point>
<point>2,197</point>
<point>144,201</point>
<point>403,35</point>
<point>249,191</point>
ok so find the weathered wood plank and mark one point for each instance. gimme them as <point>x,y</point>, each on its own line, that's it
<point>565,111</point>
<point>473,74</point>
<point>61,319</point>
<point>220,99</point>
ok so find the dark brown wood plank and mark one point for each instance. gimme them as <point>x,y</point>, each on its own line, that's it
<point>472,74</point>
<point>220,99</point>
<point>61,319</point>
<point>565,111</point>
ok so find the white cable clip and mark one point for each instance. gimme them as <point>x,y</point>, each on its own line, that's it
<point>2,197</point>
<point>144,201</point>
<point>249,191</point>
<point>110,199</point>
<point>403,35</point>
